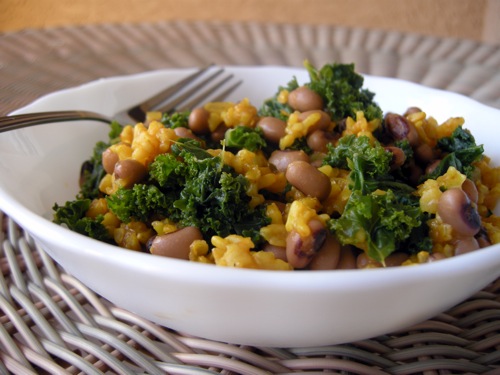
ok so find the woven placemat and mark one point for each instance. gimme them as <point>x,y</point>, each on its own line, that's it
<point>51,323</point>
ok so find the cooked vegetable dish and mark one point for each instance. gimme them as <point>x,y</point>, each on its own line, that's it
<point>316,178</point>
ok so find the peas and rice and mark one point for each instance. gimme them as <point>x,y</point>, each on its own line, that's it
<point>316,178</point>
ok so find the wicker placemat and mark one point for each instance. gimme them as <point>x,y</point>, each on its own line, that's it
<point>51,323</point>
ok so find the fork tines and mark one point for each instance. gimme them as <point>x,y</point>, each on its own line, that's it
<point>206,84</point>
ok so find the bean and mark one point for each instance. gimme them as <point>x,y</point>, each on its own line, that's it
<point>470,189</point>
<point>109,160</point>
<point>398,157</point>
<point>328,256</point>
<point>482,238</point>
<point>319,139</point>
<point>364,261</point>
<point>424,153</point>
<point>272,127</point>
<point>219,133</point>
<point>347,259</point>
<point>176,244</point>
<point>414,173</point>
<point>412,110</point>
<point>455,209</point>
<point>466,245</point>
<point>281,159</point>
<point>301,250</point>
<point>432,166</point>
<point>278,251</point>
<point>399,128</point>
<point>182,132</point>
<point>308,179</point>
<point>323,122</point>
<point>198,120</point>
<point>304,99</point>
<point>130,171</point>
<point>396,259</point>
<point>435,257</point>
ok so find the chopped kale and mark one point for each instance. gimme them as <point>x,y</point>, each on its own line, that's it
<point>175,120</point>
<point>342,89</point>
<point>377,222</point>
<point>461,152</point>
<point>274,108</point>
<point>193,191</point>
<point>72,214</point>
<point>242,137</point>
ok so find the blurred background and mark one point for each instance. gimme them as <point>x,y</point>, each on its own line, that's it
<point>468,19</point>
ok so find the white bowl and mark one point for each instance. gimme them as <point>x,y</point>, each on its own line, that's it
<point>40,166</point>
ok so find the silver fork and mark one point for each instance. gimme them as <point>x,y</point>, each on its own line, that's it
<point>183,95</point>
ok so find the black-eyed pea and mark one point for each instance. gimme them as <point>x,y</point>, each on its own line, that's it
<point>281,159</point>
<point>364,261</point>
<point>279,252</point>
<point>301,250</point>
<point>470,188</point>
<point>328,256</point>
<point>412,110</point>
<point>324,121</point>
<point>304,99</point>
<point>456,209</point>
<point>434,257</point>
<point>318,140</point>
<point>176,244</point>
<point>482,238</point>
<point>198,120</point>
<point>272,127</point>
<point>399,128</point>
<point>432,166</point>
<point>219,133</point>
<point>129,172</point>
<point>466,245</point>
<point>109,160</point>
<point>398,156</point>
<point>308,179</point>
<point>182,132</point>
<point>347,259</point>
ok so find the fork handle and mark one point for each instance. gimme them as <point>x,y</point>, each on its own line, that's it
<point>30,119</point>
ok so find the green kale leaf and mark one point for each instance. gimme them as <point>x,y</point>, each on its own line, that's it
<point>175,120</point>
<point>72,214</point>
<point>244,137</point>
<point>376,223</point>
<point>342,89</point>
<point>272,107</point>
<point>461,152</point>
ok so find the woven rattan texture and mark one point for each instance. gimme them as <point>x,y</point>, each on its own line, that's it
<point>50,323</point>
<point>36,62</point>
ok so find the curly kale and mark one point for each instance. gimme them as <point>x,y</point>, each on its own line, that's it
<point>381,212</point>
<point>191,187</point>
<point>274,108</point>
<point>377,222</point>
<point>242,137</point>
<point>175,120</point>
<point>342,90</point>
<point>72,214</point>
<point>460,150</point>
